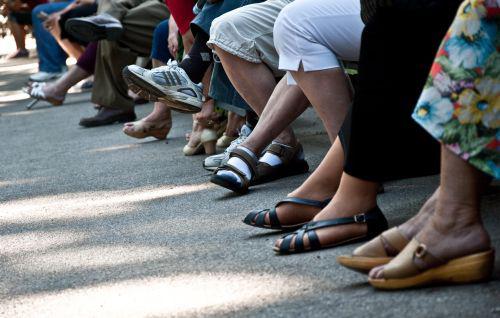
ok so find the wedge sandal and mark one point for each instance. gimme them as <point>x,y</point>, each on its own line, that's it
<point>415,266</point>
<point>374,219</point>
<point>290,164</point>
<point>257,218</point>
<point>379,251</point>
<point>230,182</point>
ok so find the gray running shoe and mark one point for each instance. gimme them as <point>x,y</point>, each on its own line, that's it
<point>168,83</point>
<point>213,162</point>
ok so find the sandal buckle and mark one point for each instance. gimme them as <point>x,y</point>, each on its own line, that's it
<point>420,251</point>
<point>360,218</point>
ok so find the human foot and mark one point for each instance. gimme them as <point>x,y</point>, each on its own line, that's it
<point>299,207</point>
<point>351,207</point>
<point>143,128</point>
<point>46,92</point>
<point>332,232</point>
<point>382,249</point>
<point>453,232</point>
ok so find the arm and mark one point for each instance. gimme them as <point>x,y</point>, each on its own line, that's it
<point>173,42</point>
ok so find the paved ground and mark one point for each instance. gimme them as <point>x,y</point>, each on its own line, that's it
<point>96,224</point>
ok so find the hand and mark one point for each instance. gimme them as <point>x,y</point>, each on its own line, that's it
<point>51,20</point>
<point>207,114</point>
<point>173,44</point>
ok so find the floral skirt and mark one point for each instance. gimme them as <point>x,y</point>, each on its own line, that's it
<point>460,104</point>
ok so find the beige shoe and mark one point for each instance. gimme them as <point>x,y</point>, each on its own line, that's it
<point>224,141</point>
<point>379,251</point>
<point>416,266</point>
<point>142,129</point>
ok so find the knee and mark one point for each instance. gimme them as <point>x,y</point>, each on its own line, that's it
<point>161,31</point>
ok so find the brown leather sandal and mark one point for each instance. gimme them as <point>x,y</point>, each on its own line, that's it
<point>379,251</point>
<point>416,266</point>
<point>291,164</point>
<point>232,183</point>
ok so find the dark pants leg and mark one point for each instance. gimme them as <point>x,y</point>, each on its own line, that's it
<point>380,139</point>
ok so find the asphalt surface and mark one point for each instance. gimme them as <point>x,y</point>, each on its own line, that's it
<point>96,224</point>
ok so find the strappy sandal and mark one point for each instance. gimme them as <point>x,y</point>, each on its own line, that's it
<point>374,219</point>
<point>231,183</point>
<point>257,218</point>
<point>36,92</point>
<point>416,266</point>
<point>379,251</point>
<point>290,164</point>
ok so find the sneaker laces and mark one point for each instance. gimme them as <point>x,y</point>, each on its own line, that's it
<point>242,136</point>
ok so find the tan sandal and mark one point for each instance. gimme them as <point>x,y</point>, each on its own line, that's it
<point>379,251</point>
<point>415,266</point>
<point>142,129</point>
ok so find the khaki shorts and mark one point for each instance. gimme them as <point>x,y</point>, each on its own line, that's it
<point>247,32</point>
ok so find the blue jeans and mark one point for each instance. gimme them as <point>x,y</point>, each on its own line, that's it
<point>51,57</point>
<point>160,51</point>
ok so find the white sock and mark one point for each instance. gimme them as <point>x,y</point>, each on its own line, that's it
<point>270,158</point>
<point>240,165</point>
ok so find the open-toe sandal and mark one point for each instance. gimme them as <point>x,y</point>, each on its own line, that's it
<point>291,163</point>
<point>239,186</point>
<point>415,266</point>
<point>142,129</point>
<point>379,251</point>
<point>257,218</point>
<point>374,219</point>
<point>36,92</point>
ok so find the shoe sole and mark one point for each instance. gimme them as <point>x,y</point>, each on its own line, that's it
<point>463,270</point>
<point>293,169</point>
<point>90,32</point>
<point>210,168</point>
<point>123,119</point>
<point>228,185</point>
<point>149,91</point>
<point>362,264</point>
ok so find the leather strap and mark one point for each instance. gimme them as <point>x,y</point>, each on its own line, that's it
<point>258,217</point>
<point>370,217</point>
<point>286,154</point>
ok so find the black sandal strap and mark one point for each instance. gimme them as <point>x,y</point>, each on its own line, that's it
<point>250,159</point>
<point>313,203</point>
<point>374,218</point>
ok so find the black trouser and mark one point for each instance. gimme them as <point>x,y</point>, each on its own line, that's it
<point>381,141</point>
<point>78,12</point>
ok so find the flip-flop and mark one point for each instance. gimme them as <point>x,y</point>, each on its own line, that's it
<point>379,251</point>
<point>257,218</point>
<point>415,266</point>
<point>374,219</point>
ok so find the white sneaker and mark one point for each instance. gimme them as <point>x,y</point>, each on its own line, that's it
<point>213,162</point>
<point>168,83</point>
<point>44,76</point>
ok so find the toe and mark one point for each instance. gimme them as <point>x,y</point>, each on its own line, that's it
<point>377,272</point>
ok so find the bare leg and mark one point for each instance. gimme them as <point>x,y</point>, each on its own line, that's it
<point>59,88</point>
<point>329,93</point>
<point>456,228</point>
<point>19,35</point>
<point>72,49</point>
<point>286,103</point>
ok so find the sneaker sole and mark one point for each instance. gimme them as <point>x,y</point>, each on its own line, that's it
<point>90,32</point>
<point>149,91</point>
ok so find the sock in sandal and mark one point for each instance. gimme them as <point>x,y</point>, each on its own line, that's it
<point>240,165</point>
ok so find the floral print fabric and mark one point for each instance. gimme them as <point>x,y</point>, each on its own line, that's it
<point>460,104</point>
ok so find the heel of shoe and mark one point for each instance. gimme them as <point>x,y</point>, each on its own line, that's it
<point>470,269</point>
<point>210,148</point>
